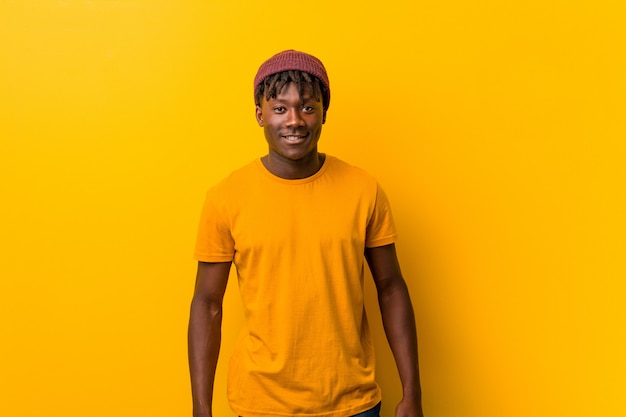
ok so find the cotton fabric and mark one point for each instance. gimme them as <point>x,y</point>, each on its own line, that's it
<point>298,248</point>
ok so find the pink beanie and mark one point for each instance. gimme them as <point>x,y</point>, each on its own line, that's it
<point>294,60</point>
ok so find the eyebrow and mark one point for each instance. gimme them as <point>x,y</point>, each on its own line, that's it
<point>304,99</point>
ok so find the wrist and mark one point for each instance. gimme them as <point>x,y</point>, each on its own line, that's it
<point>412,391</point>
<point>202,412</point>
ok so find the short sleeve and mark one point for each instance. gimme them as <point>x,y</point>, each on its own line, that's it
<point>381,229</point>
<point>214,242</point>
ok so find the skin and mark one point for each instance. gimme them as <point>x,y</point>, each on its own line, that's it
<point>287,115</point>
<point>399,323</point>
<point>205,333</point>
<point>283,116</point>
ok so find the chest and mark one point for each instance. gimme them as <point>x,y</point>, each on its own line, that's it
<point>296,219</point>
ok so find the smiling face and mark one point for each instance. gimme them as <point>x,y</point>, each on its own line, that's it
<point>292,126</point>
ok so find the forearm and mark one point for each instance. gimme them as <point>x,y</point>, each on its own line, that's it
<point>204,339</point>
<point>399,323</point>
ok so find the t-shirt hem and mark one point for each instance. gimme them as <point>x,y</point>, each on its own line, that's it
<point>383,241</point>
<point>212,258</point>
<point>341,413</point>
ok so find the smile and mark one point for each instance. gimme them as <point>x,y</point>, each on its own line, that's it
<point>293,138</point>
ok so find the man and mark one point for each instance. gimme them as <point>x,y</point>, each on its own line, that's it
<point>299,226</point>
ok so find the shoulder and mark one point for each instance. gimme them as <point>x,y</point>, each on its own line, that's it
<point>339,166</point>
<point>350,174</point>
<point>241,177</point>
<point>245,173</point>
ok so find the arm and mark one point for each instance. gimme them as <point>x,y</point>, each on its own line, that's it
<point>399,323</point>
<point>205,328</point>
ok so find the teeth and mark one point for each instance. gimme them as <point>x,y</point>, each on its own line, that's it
<point>292,137</point>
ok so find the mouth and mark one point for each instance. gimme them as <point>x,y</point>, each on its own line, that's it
<point>295,138</point>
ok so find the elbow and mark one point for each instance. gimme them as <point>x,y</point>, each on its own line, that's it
<point>392,289</point>
<point>210,307</point>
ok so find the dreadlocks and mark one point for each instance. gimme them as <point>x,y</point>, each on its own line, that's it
<point>275,83</point>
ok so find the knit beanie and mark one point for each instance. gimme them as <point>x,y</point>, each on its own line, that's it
<point>294,60</point>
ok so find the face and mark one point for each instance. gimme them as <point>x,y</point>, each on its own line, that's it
<point>292,128</point>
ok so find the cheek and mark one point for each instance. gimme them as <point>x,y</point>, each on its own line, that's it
<point>318,124</point>
<point>269,131</point>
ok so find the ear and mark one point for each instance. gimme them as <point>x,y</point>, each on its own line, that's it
<point>323,116</point>
<point>259,116</point>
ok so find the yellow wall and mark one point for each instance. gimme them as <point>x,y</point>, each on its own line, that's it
<point>497,129</point>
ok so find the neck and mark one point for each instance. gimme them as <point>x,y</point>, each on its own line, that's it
<point>293,170</point>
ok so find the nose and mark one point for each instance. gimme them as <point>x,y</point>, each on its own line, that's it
<point>294,118</point>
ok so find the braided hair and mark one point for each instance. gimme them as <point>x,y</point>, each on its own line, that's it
<point>274,84</point>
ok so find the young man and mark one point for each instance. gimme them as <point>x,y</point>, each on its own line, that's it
<point>299,226</point>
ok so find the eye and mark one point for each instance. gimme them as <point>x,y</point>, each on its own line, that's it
<point>279,109</point>
<point>308,109</point>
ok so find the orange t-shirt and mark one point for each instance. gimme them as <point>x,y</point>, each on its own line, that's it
<point>298,247</point>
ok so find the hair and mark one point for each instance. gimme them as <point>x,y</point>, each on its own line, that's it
<point>274,84</point>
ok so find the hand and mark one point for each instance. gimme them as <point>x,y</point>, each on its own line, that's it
<point>410,407</point>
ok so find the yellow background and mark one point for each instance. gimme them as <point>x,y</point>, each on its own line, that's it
<point>496,127</point>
